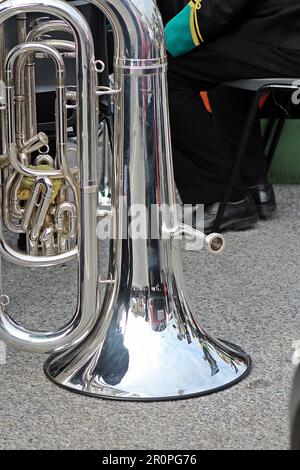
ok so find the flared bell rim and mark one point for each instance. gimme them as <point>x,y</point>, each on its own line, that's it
<point>246,359</point>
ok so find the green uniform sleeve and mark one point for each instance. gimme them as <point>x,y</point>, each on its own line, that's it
<point>179,38</point>
<point>201,21</point>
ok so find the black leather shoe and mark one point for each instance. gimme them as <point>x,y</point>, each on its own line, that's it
<point>237,216</point>
<point>264,198</point>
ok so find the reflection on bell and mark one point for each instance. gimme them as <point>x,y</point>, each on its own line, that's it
<point>149,350</point>
<point>147,345</point>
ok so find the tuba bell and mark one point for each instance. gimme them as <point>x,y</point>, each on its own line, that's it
<point>142,342</point>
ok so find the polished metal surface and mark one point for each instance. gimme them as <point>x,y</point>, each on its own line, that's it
<point>144,343</point>
<point>105,166</point>
<point>2,98</point>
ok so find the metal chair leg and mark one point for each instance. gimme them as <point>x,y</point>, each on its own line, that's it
<point>278,130</point>
<point>275,140</point>
<point>270,128</point>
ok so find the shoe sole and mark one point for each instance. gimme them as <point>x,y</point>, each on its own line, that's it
<point>241,224</point>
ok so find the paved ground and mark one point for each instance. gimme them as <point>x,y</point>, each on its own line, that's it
<point>250,295</point>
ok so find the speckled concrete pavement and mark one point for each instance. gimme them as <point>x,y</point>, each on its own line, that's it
<point>249,295</point>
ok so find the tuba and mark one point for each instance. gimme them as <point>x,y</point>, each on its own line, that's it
<point>142,342</point>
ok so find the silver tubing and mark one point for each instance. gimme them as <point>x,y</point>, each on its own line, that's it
<point>3,156</point>
<point>44,159</point>
<point>46,27</point>
<point>37,33</point>
<point>105,168</point>
<point>87,310</point>
<point>12,57</point>
<point>11,185</point>
<point>40,139</point>
<point>35,143</point>
<point>31,118</point>
<point>29,122</point>
<point>41,29</point>
<point>47,241</point>
<point>16,210</point>
<point>61,45</point>
<point>21,100</point>
<point>21,27</point>
<point>41,198</point>
<point>69,209</point>
<point>65,209</point>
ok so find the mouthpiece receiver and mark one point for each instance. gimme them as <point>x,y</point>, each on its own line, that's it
<point>215,243</point>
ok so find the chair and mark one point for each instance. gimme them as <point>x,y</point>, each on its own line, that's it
<point>259,86</point>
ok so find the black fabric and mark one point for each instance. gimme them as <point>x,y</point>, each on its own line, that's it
<point>204,145</point>
<point>170,8</point>
<point>274,22</point>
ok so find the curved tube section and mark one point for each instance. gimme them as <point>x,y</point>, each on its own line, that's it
<point>10,61</point>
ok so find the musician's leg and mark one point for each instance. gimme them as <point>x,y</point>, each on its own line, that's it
<point>207,147</point>
<point>203,143</point>
<point>202,157</point>
<point>231,105</point>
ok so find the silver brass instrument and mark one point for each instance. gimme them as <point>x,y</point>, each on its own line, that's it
<point>143,342</point>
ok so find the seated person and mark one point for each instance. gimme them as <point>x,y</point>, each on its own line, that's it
<point>209,42</point>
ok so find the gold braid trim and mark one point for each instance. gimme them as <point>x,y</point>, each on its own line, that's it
<point>194,26</point>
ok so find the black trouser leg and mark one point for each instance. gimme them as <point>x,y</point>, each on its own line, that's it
<point>204,146</point>
<point>230,106</point>
<point>202,159</point>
